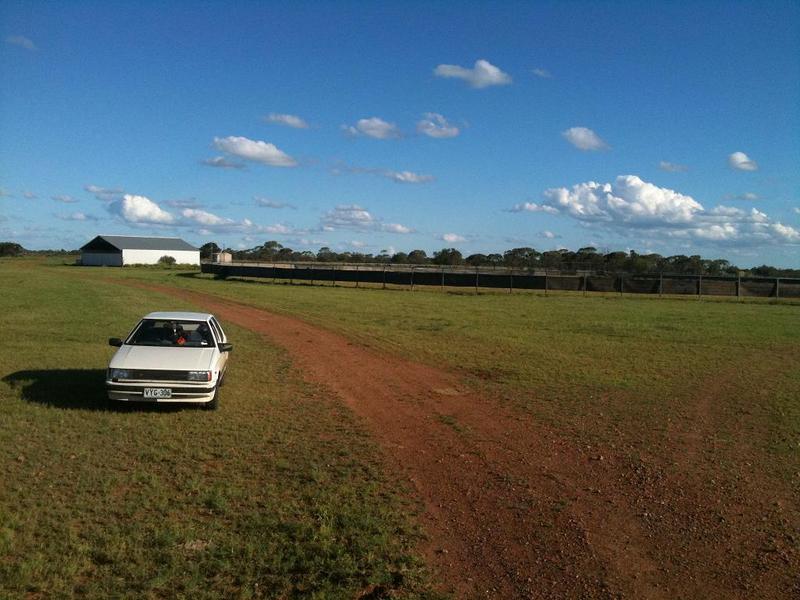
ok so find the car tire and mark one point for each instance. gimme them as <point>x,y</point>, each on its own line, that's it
<point>213,404</point>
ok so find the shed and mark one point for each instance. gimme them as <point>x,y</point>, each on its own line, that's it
<point>119,250</point>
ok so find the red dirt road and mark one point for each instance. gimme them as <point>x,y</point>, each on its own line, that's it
<point>513,509</point>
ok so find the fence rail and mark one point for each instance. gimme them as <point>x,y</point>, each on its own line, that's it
<point>511,279</point>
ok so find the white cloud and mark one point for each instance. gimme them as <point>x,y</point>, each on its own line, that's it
<point>748,196</point>
<point>543,73</point>
<point>288,120</point>
<point>202,217</point>
<point>452,238</point>
<point>184,203</point>
<point>797,209</point>
<point>407,177</point>
<point>254,150</point>
<point>631,203</point>
<point>584,138</point>
<point>396,228</point>
<point>4,193</point>
<point>373,127</point>
<point>140,209</point>
<point>396,176</point>
<point>29,195</point>
<point>267,203</point>
<point>357,218</point>
<point>65,198</point>
<point>483,74</point>
<point>21,41</point>
<point>221,162</point>
<point>102,193</point>
<point>357,244</point>
<point>549,235</point>
<point>671,167</point>
<point>742,162</point>
<point>533,207</point>
<point>77,216</point>
<point>436,126</point>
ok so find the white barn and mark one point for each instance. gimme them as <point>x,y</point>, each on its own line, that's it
<point>120,250</point>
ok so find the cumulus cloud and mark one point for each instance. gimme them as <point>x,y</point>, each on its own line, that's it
<point>287,120</point>
<point>220,162</point>
<point>584,138</point>
<point>742,162</point>
<point>549,235</point>
<point>543,73</point>
<point>631,203</point>
<point>29,195</point>
<point>77,216</point>
<point>103,193</point>
<point>356,218</point>
<point>267,203</point>
<point>202,217</point>
<point>452,238</point>
<point>483,74</point>
<point>797,209</point>
<point>436,126</point>
<point>671,167</point>
<point>22,42</point>
<point>140,210</point>
<point>64,198</point>
<point>254,150</point>
<point>373,127</point>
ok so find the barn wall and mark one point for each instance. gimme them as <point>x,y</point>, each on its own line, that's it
<point>99,259</point>
<point>150,257</point>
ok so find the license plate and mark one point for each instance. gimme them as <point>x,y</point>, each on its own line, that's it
<point>157,393</point>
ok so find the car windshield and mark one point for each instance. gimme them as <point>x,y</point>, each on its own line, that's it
<point>179,334</point>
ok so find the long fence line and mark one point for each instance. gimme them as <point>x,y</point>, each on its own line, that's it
<point>412,276</point>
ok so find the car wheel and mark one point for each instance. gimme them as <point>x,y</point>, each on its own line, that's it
<point>213,404</point>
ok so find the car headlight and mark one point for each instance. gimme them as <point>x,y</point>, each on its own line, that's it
<point>115,374</point>
<point>198,376</point>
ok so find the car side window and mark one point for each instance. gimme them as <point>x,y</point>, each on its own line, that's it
<point>218,327</point>
<point>217,333</point>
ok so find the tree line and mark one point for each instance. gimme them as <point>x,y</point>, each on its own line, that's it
<point>584,259</point>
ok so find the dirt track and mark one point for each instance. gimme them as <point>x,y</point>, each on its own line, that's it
<point>515,510</point>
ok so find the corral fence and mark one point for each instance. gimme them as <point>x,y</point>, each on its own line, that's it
<point>501,278</point>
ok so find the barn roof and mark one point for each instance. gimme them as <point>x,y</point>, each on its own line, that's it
<point>135,242</point>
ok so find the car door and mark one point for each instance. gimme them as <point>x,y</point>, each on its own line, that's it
<point>219,335</point>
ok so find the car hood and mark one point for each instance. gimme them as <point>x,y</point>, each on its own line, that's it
<point>171,359</point>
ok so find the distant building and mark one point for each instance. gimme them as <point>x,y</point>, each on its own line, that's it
<point>222,257</point>
<point>119,250</point>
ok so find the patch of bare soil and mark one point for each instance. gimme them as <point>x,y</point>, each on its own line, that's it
<point>513,509</point>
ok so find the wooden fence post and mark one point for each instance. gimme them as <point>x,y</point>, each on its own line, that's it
<point>510,280</point>
<point>442,278</point>
<point>739,286</point>
<point>621,283</point>
<point>660,284</point>
<point>700,286</point>
<point>334,275</point>
<point>384,276</point>
<point>585,282</point>
<point>777,288</point>
<point>357,278</point>
<point>412,279</point>
<point>545,282</point>
<point>476,280</point>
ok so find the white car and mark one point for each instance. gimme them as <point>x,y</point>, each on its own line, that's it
<point>170,357</point>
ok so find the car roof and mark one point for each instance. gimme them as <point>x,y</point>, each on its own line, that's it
<point>180,316</point>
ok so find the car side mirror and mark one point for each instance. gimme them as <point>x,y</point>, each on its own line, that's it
<point>115,342</point>
<point>225,347</point>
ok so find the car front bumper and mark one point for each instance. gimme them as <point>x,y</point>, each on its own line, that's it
<point>180,391</point>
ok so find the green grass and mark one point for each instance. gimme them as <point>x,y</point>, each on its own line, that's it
<point>567,358</point>
<point>278,494</point>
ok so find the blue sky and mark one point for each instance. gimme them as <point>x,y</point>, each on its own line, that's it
<point>669,128</point>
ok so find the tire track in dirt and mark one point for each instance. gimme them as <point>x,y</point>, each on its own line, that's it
<point>512,509</point>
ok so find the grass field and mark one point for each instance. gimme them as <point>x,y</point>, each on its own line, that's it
<point>277,494</point>
<point>281,493</point>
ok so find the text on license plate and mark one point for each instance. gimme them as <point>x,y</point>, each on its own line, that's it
<point>157,393</point>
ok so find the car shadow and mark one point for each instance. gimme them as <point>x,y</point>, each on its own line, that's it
<point>75,389</point>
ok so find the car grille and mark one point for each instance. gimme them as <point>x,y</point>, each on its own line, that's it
<point>157,375</point>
